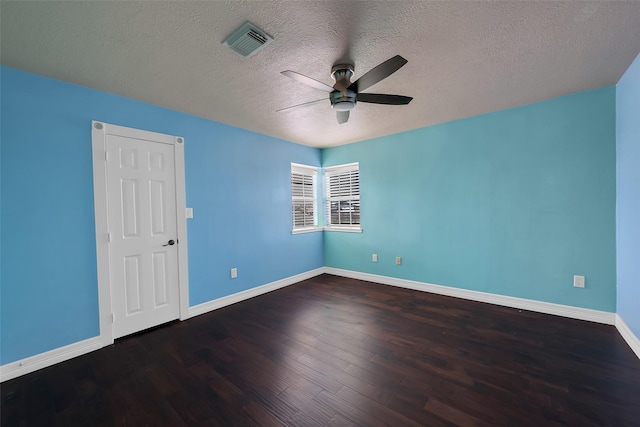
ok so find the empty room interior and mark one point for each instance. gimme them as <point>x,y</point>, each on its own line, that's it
<point>320,213</point>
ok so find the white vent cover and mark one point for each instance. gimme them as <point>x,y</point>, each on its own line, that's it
<point>247,40</point>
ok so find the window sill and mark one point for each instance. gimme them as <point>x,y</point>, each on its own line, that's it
<point>344,229</point>
<point>306,230</point>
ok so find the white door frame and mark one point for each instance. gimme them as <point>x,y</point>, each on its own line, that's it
<point>99,132</point>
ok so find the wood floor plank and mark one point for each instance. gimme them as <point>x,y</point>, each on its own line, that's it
<point>453,415</point>
<point>363,386</point>
<point>333,351</point>
<point>381,412</point>
<point>314,410</point>
<point>340,421</point>
<point>354,413</point>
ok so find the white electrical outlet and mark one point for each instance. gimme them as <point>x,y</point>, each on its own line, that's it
<point>578,281</point>
<point>374,257</point>
<point>398,260</point>
<point>234,273</point>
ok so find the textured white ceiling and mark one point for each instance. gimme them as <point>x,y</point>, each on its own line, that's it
<point>465,58</point>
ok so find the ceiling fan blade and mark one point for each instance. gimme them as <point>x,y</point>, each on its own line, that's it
<point>380,72</point>
<point>306,104</point>
<point>381,98</point>
<point>301,78</point>
<point>343,116</point>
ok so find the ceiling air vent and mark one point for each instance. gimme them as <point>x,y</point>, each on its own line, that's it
<point>247,40</point>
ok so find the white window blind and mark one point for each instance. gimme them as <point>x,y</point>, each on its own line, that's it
<point>343,195</point>
<point>303,196</point>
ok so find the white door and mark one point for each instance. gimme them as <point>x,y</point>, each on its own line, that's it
<point>143,238</point>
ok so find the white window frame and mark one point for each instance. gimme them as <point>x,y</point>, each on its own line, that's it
<point>312,173</point>
<point>354,195</point>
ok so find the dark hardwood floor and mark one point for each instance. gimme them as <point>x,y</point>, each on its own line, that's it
<point>331,351</point>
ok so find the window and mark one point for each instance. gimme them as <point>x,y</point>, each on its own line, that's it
<point>304,198</point>
<point>343,197</point>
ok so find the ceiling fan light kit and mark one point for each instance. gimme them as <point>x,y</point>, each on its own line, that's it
<point>343,101</point>
<point>344,95</point>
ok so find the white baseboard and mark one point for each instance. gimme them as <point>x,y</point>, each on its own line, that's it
<point>628,335</point>
<point>215,304</point>
<point>42,360</point>
<point>514,302</point>
<point>49,358</point>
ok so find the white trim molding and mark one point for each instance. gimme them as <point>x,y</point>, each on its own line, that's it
<point>513,302</point>
<point>306,230</point>
<point>33,363</point>
<point>215,304</point>
<point>628,335</point>
<point>342,229</point>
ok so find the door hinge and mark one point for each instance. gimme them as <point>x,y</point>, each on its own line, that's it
<point>113,318</point>
<point>106,156</point>
<point>108,237</point>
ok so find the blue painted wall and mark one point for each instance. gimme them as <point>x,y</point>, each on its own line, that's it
<point>237,181</point>
<point>513,203</point>
<point>628,198</point>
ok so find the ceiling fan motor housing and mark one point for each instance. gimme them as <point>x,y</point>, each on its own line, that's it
<point>342,99</point>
